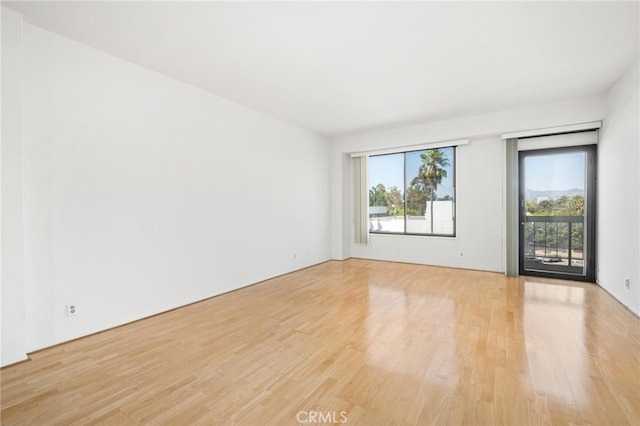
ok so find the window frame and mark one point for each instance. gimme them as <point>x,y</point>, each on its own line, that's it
<point>454,188</point>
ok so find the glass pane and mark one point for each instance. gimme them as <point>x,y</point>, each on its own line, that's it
<point>386,195</point>
<point>555,212</point>
<point>430,188</point>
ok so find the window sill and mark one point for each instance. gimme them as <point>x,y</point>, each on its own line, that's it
<point>430,236</point>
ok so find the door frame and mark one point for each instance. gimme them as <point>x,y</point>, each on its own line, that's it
<point>590,212</point>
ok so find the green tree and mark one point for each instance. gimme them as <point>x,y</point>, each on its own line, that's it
<point>545,208</point>
<point>394,200</point>
<point>574,206</point>
<point>430,174</point>
<point>416,200</point>
<point>563,206</point>
<point>532,208</point>
<point>377,195</point>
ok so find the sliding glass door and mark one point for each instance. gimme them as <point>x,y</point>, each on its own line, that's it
<point>557,213</point>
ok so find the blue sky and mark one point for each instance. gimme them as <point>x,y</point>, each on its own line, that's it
<point>556,172</point>
<point>389,170</point>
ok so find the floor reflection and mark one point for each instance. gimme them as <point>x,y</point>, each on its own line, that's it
<point>484,346</point>
<point>399,328</point>
<point>554,329</point>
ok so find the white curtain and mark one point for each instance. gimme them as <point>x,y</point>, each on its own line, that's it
<point>361,199</point>
<point>512,195</point>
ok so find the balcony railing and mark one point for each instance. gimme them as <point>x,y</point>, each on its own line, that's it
<point>554,243</point>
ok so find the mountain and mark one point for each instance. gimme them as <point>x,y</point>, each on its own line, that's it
<point>550,194</point>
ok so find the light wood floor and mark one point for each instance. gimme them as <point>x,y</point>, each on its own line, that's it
<point>385,343</point>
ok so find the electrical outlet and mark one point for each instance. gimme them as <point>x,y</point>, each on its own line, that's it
<point>295,255</point>
<point>461,254</point>
<point>627,282</point>
<point>72,309</point>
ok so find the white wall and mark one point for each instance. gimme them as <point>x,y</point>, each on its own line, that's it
<point>480,182</point>
<point>143,193</point>
<point>618,240</point>
<point>12,302</point>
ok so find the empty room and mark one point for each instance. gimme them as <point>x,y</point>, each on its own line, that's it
<point>298,213</point>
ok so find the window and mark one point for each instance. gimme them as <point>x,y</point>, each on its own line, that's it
<point>413,193</point>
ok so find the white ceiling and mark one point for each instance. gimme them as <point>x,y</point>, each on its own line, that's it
<point>338,68</point>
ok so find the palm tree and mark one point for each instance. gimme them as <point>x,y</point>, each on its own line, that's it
<point>430,174</point>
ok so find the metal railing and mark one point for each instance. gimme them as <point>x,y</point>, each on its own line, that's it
<point>550,237</point>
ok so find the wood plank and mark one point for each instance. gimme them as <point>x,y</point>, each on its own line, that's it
<point>387,343</point>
